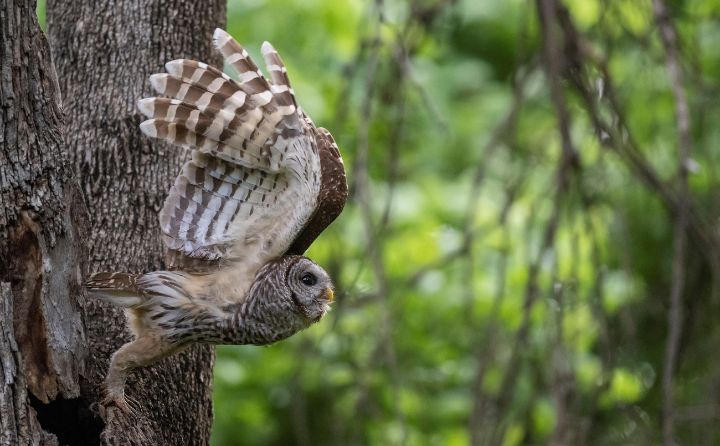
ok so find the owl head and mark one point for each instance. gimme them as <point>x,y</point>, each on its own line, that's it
<point>289,294</point>
<point>310,288</point>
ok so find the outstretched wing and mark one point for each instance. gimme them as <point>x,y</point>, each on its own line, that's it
<point>254,179</point>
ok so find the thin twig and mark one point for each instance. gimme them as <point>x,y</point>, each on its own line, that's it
<point>553,60</point>
<point>373,231</point>
<point>361,175</point>
<point>567,162</point>
<point>669,38</point>
<point>485,345</point>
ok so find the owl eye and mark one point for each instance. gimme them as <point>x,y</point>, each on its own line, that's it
<point>309,279</point>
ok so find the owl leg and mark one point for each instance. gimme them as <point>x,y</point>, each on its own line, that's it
<point>141,352</point>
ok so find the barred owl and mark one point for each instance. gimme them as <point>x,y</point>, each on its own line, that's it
<point>262,183</point>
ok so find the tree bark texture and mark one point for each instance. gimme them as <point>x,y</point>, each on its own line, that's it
<point>105,52</point>
<point>42,218</point>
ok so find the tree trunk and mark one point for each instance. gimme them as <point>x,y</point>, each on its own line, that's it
<point>105,51</point>
<point>42,342</point>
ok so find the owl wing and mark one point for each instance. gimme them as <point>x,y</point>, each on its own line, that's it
<point>254,180</point>
<point>332,196</point>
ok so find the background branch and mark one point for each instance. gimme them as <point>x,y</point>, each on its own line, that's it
<point>675,316</point>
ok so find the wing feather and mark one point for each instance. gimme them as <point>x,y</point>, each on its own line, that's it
<point>281,87</point>
<point>254,177</point>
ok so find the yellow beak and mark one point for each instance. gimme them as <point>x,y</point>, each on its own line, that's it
<point>330,294</point>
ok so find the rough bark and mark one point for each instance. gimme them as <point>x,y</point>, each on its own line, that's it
<point>105,51</point>
<point>42,341</point>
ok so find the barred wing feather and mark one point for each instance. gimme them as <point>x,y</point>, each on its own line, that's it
<point>255,174</point>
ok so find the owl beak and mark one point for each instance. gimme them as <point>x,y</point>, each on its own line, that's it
<point>329,294</point>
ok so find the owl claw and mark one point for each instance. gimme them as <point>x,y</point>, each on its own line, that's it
<point>126,405</point>
<point>119,402</point>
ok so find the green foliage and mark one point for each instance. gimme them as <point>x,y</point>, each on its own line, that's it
<point>397,360</point>
<point>41,13</point>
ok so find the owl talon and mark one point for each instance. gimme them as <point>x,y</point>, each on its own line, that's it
<point>127,405</point>
<point>118,401</point>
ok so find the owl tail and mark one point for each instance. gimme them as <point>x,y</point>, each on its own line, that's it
<point>120,289</point>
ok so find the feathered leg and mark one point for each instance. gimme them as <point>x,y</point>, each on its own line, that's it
<point>152,302</point>
<point>141,352</point>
